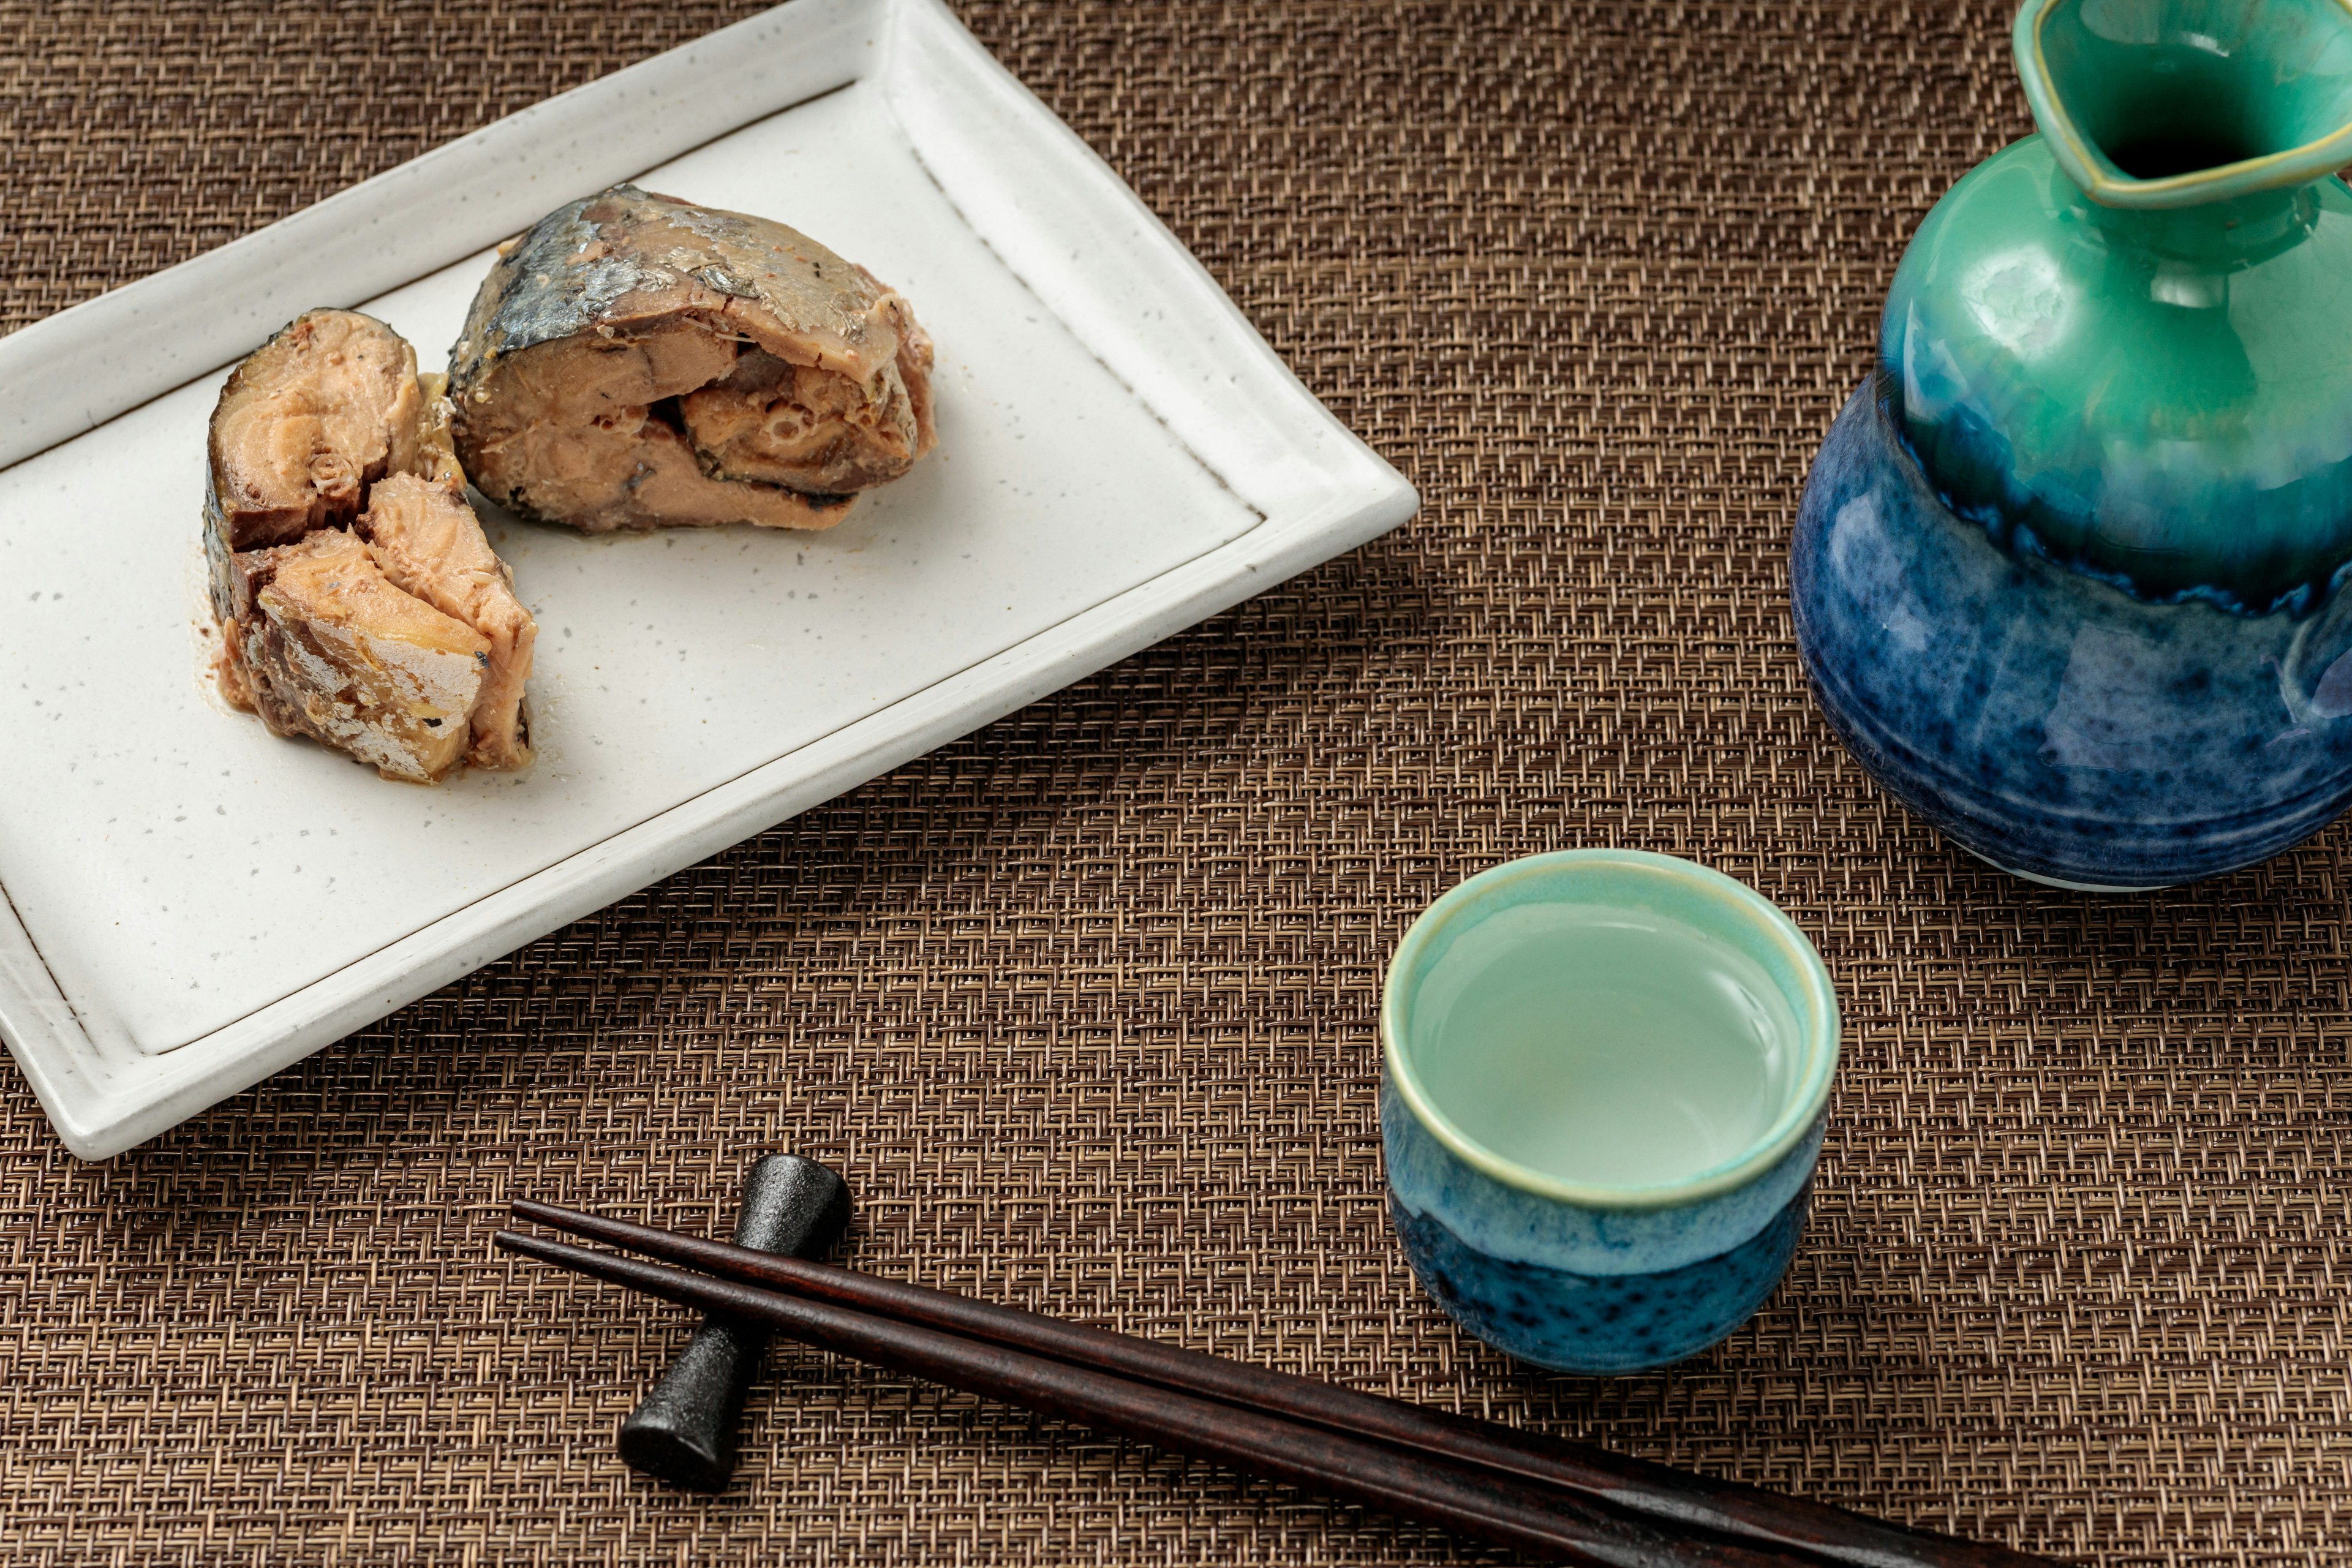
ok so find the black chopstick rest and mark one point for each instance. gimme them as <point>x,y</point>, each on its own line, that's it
<point>684,1433</point>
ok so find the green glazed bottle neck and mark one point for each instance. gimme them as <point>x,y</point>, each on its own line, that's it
<point>2160,397</point>
<point>2237,231</point>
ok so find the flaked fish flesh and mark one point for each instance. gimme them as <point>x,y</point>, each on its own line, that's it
<point>430,545</point>
<point>639,361</point>
<point>359,601</point>
<point>332,649</point>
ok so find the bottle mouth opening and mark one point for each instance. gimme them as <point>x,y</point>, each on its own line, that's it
<point>2171,103</point>
<point>2165,152</point>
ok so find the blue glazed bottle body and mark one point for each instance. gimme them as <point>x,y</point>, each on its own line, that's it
<point>2053,722</point>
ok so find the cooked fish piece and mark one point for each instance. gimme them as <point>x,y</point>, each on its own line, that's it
<point>305,425</point>
<point>639,361</point>
<point>329,646</point>
<point>373,613</point>
<point>428,542</point>
<point>326,407</point>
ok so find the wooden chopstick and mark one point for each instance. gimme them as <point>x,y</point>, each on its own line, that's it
<point>1667,1497</point>
<point>1461,1498</point>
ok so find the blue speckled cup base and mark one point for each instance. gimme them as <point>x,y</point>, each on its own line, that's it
<point>1600,1323</point>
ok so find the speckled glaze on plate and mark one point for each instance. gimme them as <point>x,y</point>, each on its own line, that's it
<point>1578,1276</point>
<point>2069,573</point>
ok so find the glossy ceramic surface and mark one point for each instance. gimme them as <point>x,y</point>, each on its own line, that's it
<point>2176,103</point>
<point>2164,398</point>
<point>2053,722</point>
<point>2100,496</point>
<point>1600,1254</point>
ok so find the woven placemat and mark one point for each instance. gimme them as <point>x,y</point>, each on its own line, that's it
<point>1083,1005</point>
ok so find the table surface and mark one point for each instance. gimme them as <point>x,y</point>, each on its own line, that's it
<point>1084,1004</point>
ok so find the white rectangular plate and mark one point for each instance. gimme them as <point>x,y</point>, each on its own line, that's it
<point>192,904</point>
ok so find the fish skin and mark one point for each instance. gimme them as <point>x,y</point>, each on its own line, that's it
<point>625,269</point>
<point>604,247</point>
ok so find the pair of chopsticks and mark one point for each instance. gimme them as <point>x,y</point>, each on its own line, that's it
<point>1534,1494</point>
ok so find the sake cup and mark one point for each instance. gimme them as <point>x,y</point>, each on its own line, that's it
<point>1605,1075</point>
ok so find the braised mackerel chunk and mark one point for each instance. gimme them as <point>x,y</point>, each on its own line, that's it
<point>331,648</point>
<point>359,601</point>
<point>307,424</point>
<point>428,544</point>
<point>637,362</point>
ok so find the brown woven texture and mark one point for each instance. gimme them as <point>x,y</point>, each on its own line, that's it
<point>1083,1005</point>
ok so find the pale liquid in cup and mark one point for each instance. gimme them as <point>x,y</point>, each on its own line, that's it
<point>1614,1048</point>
